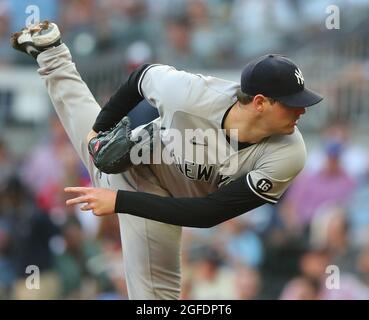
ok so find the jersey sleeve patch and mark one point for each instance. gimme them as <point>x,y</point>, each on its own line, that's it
<point>261,187</point>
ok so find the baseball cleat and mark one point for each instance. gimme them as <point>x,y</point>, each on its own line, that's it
<point>34,39</point>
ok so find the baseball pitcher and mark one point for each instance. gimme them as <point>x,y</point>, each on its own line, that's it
<point>218,149</point>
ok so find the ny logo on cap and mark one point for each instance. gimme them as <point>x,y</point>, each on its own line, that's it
<point>299,76</point>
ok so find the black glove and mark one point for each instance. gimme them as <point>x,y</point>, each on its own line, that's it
<point>110,150</point>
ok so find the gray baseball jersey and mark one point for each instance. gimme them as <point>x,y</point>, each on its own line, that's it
<point>187,101</point>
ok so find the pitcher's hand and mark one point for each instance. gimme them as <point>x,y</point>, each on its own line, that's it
<point>100,201</point>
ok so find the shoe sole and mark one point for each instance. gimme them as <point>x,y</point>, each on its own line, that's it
<point>27,38</point>
<point>49,38</point>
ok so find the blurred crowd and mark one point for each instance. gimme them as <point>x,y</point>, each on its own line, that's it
<point>273,252</point>
<point>78,256</point>
<point>186,33</point>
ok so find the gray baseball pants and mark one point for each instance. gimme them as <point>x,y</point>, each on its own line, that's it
<point>151,250</point>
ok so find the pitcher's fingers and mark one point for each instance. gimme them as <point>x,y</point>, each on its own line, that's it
<point>82,199</point>
<point>86,207</point>
<point>81,190</point>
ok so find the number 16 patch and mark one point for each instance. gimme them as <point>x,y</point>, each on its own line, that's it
<point>264,185</point>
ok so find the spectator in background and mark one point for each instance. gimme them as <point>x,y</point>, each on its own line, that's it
<point>31,228</point>
<point>362,265</point>
<point>211,41</point>
<point>31,233</point>
<point>110,258</point>
<point>80,279</point>
<point>331,184</point>
<point>176,48</point>
<point>259,25</point>
<point>50,166</point>
<point>248,283</point>
<point>350,288</point>
<point>119,24</point>
<point>330,231</point>
<point>6,164</point>
<point>353,157</point>
<point>162,9</point>
<point>301,288</point>
<point>314,283</point>
<point>282,253</point>
<point>7,268</point>
<point>139,25</point>
<point>358,209</point>
<point>313,265</point>
<point>241,243</point>
<point>211,279</point>
<point>108,232</point>
<point>76,15</point>
<point>77,18</point>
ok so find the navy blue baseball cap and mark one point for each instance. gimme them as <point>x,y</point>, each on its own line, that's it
<point>277,77</point>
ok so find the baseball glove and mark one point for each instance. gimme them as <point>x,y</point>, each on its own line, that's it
<point>110,150</point>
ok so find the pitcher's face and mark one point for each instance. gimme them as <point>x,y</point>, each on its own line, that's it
<point>282,119</point>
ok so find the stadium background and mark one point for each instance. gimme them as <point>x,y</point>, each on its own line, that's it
<point>279,252</point>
